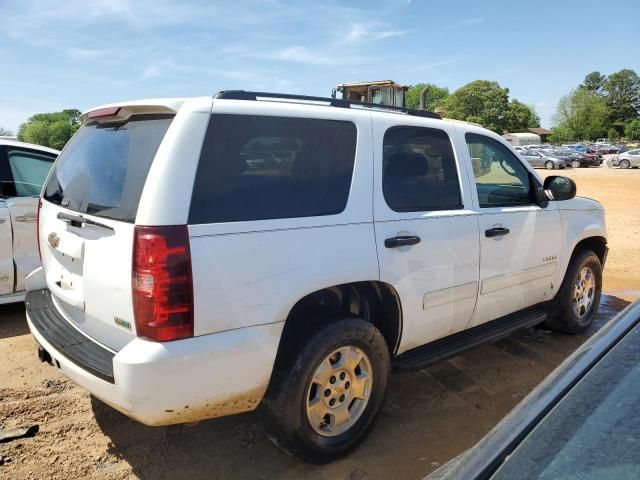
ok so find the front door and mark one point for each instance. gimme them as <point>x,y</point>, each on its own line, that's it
<point>23,177</point>
<point>520,242</point>
<point>426,234</point>
<point>6,258</point>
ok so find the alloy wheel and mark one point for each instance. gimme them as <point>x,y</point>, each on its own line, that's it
<point>584,290</point>
<point>339,391</point>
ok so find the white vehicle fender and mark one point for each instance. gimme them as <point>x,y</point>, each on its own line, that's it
<point>577,226</point>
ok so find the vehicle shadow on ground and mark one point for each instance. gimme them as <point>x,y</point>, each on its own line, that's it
<point>13,321</point>
<point>429,417</point>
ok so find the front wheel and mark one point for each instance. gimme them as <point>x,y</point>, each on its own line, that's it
<point>325,395</point>
<point>624,164</point>
<point>575,164</point>
<point>576,303</point>
<point>549,165</point>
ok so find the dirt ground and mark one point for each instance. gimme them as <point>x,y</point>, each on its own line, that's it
<point>428,417</point>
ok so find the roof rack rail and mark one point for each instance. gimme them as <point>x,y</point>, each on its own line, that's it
<point>334,102</point>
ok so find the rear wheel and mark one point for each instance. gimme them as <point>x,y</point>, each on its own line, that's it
<point>575,164</point>
<point>625,163</point>
<point>576,303</point>
<point>549,165</point>
<point>325,394</point>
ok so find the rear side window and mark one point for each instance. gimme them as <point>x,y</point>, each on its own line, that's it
<point>419,170</point>
<point>258,168</point>
<point>103,169</point>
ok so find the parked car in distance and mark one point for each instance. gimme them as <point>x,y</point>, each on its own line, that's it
<point>630,159</point>
<point>580,159</point>
<point>538,159</point>
<point>581,422</point>
<point>23,170</point>
<point>191,282</point>
<point>606,149</point>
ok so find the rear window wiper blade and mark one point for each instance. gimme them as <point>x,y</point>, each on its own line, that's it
<point>76,220</point>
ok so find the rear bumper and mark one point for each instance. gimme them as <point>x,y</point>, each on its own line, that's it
<point>165,383</point>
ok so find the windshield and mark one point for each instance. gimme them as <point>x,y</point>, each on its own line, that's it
<point>104,167</point>
<point>594,432</point>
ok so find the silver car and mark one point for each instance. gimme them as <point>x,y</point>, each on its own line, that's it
<point>23,169</point>
<point>630,159</point>
<point>538,159</point>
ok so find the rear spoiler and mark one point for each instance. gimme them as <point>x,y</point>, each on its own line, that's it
<point>115,112</point>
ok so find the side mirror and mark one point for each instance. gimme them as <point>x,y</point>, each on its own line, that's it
<point>559,188</point>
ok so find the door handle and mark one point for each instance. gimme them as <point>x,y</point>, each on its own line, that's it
<point>401,241</point>
<point>496,232</point>
<point>25,218</point>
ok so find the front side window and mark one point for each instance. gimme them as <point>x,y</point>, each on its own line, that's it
<point>28,172</point>
<point>501,179</point>
<point>260,167</point>
<point>419,170</point>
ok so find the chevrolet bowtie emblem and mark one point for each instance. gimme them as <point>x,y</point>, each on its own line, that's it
<point>54,240</point>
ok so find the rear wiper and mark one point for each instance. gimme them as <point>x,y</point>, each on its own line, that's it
<point>78,220</point>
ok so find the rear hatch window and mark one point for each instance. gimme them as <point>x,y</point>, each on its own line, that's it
<point>103,169</point>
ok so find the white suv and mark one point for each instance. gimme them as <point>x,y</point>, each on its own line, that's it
<point>206,256</point>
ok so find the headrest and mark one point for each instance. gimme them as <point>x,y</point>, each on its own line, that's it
<point>406,165</point>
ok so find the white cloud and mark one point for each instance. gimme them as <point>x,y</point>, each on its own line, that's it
<point>137,13</point>
<point>165,68</point>
<point>468,22</point>
<point>92,53</point>
<point>300,54</point>
<point>371,31</point>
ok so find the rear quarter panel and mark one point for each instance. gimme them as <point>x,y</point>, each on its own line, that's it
<point>253,272</point>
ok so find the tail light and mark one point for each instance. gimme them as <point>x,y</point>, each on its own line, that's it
<point>38,227</point>
<point>162,283</point>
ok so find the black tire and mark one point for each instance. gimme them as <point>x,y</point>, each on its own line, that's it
<point>549,165</point>
<point>562,316</point>
<point>575,164</point>
<point>284,408</point>
<point>624,163</point>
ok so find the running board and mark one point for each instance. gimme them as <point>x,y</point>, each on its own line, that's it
<point>452,345</point>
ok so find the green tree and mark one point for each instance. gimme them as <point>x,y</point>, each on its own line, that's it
<point>632,130</point>
<point>581,115</point>
<point>6,133</point>
<point>50,129</point>
<point>435,96</point>
<point>481,101</point>
<point>520,117</point>
<point>594,82</point>
<point>623,97</point>
<point>562,134</point>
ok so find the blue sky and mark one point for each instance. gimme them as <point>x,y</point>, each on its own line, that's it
<point>59,54</point>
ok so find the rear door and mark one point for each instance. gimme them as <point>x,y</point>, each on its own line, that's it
<point>87,219</point>
<point>28,170</point>
<point>520,242</point>
<point>426,231</point>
